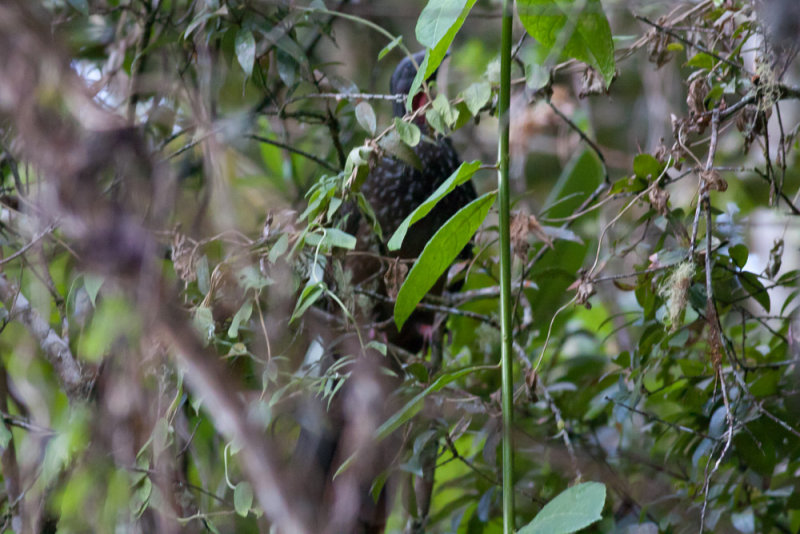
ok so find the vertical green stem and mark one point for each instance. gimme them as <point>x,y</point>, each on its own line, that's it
<point>505,270</point>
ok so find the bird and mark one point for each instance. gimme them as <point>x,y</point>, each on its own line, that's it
<point>393,188</point>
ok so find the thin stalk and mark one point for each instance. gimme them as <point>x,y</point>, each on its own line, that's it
<point>505,270</point>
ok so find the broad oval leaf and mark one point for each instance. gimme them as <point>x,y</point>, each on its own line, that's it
<point>439,253</point>
<point>590,39</point>
<point>245,45</point>
<point>243,498</point>
<point>436,28</point>
<point>365,116</point>
<point>477,95</point>
<point>436,19</point>
<point>461,175</point>
<point>573,509</point>
<point>408,131</point>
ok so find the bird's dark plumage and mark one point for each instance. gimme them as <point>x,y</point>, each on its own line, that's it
<point>393,189</point>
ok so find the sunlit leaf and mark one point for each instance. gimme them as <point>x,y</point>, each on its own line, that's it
<point>436,28</point>
<point>573,509</point>
<point>577,29</point>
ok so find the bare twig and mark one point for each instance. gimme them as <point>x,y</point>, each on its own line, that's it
<point>54,347</point>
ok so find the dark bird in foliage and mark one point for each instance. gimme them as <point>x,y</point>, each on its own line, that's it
<point>393,188</point>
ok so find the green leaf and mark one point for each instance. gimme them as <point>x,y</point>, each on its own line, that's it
<point>645,165</point>
<point>331,237</point>
<point>439,253</point>
<point>412,407</point>
<point>589,38</point>
<point>389,47</point>
<point>245,45</point>
<point>436,28</point>
<point>460,176</point>
<point>394,145</point>
<point>366,117</point>
<point>755,289</point>
<point>739,254</point>
<point>573,509</point>
<point>203,322</point>
<point>408,131</point>
<point>409,410</point>
<point>92,284</point>
<point>477,95</point>
<point>436,20</point>
<point>243,498</point>
<point>702,60</point>
<point>5,436</point>
<point>242,316</point>
<point>308,297</point>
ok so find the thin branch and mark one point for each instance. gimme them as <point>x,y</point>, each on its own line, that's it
<point>294,150</point>
<point>687,42</point>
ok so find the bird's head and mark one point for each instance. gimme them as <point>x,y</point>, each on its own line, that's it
<point>401,81</point>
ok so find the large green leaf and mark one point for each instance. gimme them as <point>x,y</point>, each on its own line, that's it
<point>436,28</point>
<point>460,176</point>
<point>573,509</point>
<point>439,253</point>
<point>571,28</point>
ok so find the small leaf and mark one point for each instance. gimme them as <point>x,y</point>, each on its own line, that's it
<point>702,61</point>
<point>389,47</point>
<point>645,165</point>
<point>755,289</point>
<point>308,297</point>
<point>203,322</point>
<point>366,117</point>
<point>738,254</point>
<point>5,436</point>
<point>590,39</point>
<point>573,509</point>
<point>460,176</point>
<point>412,407</point>
<point>203,275</point>
<point>243,498</point>
<point>447,111</point>
<point>242,316</point>
<point>409,410</point>
<point>439,253</point>
<point>394,145</point>
<point>245,45</point>
<point>477,95</point>
<point>92,284</point>
<point>331,237</point>
<point>408,131</point>
<point>279,248</point>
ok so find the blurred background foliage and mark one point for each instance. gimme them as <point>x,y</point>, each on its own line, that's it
<point>230,134</point>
